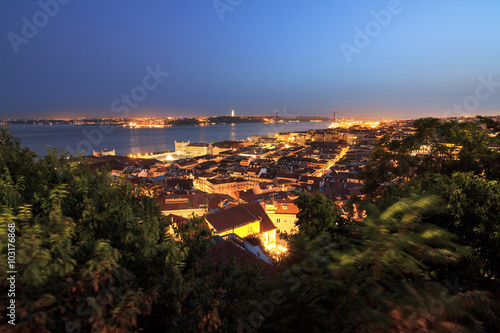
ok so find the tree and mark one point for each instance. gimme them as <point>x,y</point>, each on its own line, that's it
<point>376,282</point>
<point>90,255</point>
<point>194,236</point>
<point>94,255</point>
<point>464,170</point>
<point>471,205</point>
<point>317,214</point>
<point>490,124</point>
<point>436,147</point>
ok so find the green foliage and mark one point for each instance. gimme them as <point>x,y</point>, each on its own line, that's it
<point>490,124</point>
<point>436,147</point>
<point>472,206</point>
<point>96,256</point>
<point>86,251</point>
<point>194,236</point>
<point>461,167</point>
<point>90,255</point>
<point>254,239</point>
<point>376,281</point>
<point>235,291</point>
<point>317,214</point>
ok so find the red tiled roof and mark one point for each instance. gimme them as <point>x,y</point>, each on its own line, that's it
<point>174,206</point>
<point>193,201</point>
<point>256,209</point>
<point>218,200</point>
<point>267,185</point>
<point>240,215</point>
<point>226,251</point>
<point>291,208</point>
<point>253,171</point>
<point>182,183</point>
<point>176,219</point>
<point>280,181</point>
<point>286,175</point>
<point>217,181</point>
<point>230,218</point>
<point>186,162</point>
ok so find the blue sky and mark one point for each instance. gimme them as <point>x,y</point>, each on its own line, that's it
<point>252,56</point>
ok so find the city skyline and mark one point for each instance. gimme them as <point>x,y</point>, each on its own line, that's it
<point>397,59</point>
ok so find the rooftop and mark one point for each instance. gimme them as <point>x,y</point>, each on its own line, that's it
<point>239,216</point>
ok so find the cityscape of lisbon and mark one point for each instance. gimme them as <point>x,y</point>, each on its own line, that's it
<point>248,206</point>
<point>249,166</point>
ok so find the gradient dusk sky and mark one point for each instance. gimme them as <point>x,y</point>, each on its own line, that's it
<point>253,56</point>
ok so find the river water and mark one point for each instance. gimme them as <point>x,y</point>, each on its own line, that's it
<point>142,140</point>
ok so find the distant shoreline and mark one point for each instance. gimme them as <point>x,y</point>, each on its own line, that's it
<point>127,140</point>
<point>160,122</point>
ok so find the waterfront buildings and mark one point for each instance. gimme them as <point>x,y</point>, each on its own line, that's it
<point>195,149</point>
<point>247,188</point>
